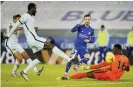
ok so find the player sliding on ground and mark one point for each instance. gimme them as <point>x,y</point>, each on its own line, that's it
<point>85,34</point>
<point>36,43</point>
<point>112,72</point>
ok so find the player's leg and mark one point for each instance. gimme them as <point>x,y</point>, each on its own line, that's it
<point>33,63</point>
<point>100,75</point>
<point>91,74</point>
<point>69,65</point>
<point>96,74</point>
<point>105,51</point>
<point>42,43</point>
<point>15,68</point>
<point>56,50</point>
<point>79,76</point>
<point>132,50</point>
<point>28,60</point>
<point>18,61</point>
<point>76,66</point>
<point>18,56</point>
<point>12,49</point>
<point>29,67</point>
<point>101,53</point>
<point>84,60</point>
<point>129,51</point>
<point>73,54</point>
<point>24,55</point>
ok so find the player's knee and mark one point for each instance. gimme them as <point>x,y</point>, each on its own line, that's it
<point>25,55</point>
<point>52,45</point>
<point>19,60</point>
<point>48,45</point>
<point>39,55</point>
<point>18,56</point>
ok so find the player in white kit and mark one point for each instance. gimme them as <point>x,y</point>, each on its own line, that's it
<point>35,42</point>
<point>15,48</point>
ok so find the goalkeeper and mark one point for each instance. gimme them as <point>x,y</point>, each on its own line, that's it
<point>113,72</point>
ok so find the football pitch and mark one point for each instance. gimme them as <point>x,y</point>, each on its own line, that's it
<point>48,78</point>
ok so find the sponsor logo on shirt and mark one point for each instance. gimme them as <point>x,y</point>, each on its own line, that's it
<point>83,36</point>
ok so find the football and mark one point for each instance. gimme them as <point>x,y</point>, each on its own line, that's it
<point>110,58</point>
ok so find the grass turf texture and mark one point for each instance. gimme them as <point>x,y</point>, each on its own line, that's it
<point>48,78</point>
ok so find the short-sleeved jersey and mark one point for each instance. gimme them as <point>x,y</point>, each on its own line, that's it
<point>35,42</point>
<point>28,24</point>
<point>14,37</point>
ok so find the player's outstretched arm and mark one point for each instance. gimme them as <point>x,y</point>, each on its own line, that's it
<point>21,21</point>
<point>14,28</point>
<point>100,65</point>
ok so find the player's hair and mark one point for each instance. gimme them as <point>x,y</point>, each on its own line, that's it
<point>102,26</point>
<point>31,5</point>
<point>118,46</point>
<point>17,15</point>
<point>87,15</point>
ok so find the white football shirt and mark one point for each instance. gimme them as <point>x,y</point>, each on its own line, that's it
<point>14,37</point>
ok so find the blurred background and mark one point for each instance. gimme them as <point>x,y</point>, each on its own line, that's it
<point>55,20</point>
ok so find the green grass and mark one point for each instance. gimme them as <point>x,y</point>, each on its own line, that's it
<point>48,78</point>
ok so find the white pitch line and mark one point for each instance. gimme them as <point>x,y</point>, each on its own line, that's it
<point>107,83</point>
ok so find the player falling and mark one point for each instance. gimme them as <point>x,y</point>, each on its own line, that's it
<point>85,34</point>
<point>15,48</point>
<point>106,71</point>
<point>36,43</point>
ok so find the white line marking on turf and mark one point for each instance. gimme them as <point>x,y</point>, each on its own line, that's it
<point>107,83</point>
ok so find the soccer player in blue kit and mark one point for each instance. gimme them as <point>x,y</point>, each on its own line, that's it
<point>85,34</point>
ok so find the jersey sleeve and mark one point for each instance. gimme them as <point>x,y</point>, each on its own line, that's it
<point>22,20</point>
<point>9,28</point>
<point>92,37</point>
<point>75,28</point>
<point>14,28</point>
<point>100,65</point>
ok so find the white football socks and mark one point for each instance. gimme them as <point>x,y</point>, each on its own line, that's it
<point>29,61</point>
<point>16,66</point>
<point>58,52</point>
<point>31,65</point>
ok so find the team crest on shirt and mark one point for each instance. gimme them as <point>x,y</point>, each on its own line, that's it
<point>89,33</point>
